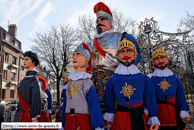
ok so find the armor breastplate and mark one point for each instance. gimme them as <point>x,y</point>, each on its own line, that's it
<point>108,43</point>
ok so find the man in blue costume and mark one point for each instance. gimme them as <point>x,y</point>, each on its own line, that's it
<point>81,104</point>
<point>172,104</point>
<point>63,94</point>
<point>132,90</point>
<point>103,48</point>
<point>29,91</point>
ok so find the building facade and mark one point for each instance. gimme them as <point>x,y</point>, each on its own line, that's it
<point>11,61</point>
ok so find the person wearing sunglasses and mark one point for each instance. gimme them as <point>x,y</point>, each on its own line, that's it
<point>29,91</point>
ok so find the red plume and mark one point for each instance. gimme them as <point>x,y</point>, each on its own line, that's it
<point>100,6</point>
<point>85,46</point>
<point>44,82</point>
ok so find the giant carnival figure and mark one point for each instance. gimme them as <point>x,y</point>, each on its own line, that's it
<point>172,104</point>
<point>61,118</point>
<point>103,48</point>
<point>46,99</point>
<point>81,105</point>
<point>132,90</point>
<point>29,92</point>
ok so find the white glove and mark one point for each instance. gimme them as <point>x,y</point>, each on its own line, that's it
<point>110,61</point>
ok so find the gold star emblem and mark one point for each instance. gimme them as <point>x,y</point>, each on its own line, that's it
<point>127,90</point>
<point>164,85</point>
<point>73,89</point>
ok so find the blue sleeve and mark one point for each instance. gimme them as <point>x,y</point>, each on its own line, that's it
<point>49,99</point>
<point>109,97</point>
<point>133,40</point>
<point>94,109</point>
<point>180,97</point>
<point>63,114</point>
<point>150,98</point>
<point>62,95</point>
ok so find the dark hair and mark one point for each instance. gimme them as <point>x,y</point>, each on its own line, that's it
<point>32,56</point>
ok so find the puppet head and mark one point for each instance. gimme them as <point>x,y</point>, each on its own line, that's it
<point>104,17</point>
<point>82,57</point>
<point>160,59</point>
<point>126,52</point>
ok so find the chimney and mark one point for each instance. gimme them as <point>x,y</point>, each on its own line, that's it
<point>13,30</point>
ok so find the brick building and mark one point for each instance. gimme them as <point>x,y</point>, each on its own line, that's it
<point>11,69</point>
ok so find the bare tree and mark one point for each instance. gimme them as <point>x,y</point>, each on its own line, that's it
<point>53,48</point>
<point>121,23</point>
<point>187,23</point>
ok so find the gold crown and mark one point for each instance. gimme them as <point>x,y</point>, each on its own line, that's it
<point>158,52</point>
<point>64,75</point>
<point>126,44</point>
<point>40,74</point>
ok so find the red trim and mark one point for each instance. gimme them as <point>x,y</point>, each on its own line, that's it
<point>24,116</point>
<point>85,46</point>
<point>98,48</point>
<point>44,82</point>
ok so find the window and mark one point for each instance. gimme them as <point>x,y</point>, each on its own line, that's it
<point>12,76</point>
<point>5,74</point>
<point>11,93</point>
<point>14,60</point>
<point>22,67</point>
<point>6,57</point>
<point>16,44</point>
<point>7,38</point>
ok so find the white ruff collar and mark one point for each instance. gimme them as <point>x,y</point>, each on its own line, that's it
<point>103,34</point>
<point>162,73</point>
<point>79,75</point>
<point>124,70</point>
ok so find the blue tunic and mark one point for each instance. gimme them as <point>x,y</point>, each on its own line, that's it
<point>141,86</point>
<point>174,89</point>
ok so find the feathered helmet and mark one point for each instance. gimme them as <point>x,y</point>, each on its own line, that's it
<point>100,9</point>
<point>42,78</point>
<point>85,50</point>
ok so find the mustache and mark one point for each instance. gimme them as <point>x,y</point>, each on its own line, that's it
<point>161,63</point>
<point>99,25</point>
<point>126,57</point>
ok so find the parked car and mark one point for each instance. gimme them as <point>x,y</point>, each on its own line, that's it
<point>11,104</point>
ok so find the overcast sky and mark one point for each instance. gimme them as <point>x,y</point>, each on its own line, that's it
<point>33,16</point>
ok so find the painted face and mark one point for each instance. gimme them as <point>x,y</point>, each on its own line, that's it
<point>153,67</point>
<point>78,59</point>
<point>126,54</point>
<point>64,80</point>
<point>160,61</point>
<point>103,23</point>
<point>28,62</point>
